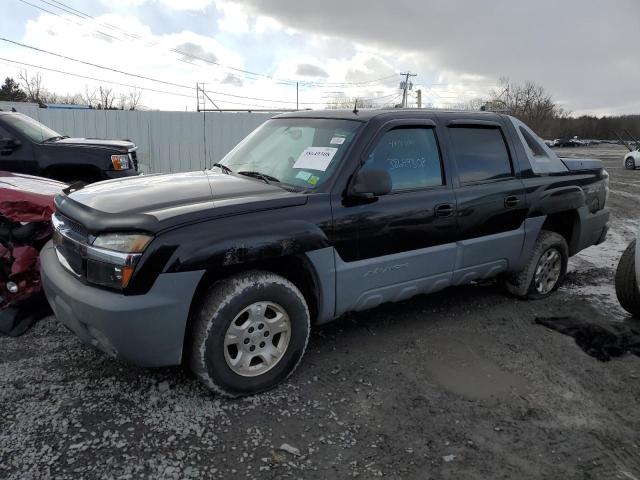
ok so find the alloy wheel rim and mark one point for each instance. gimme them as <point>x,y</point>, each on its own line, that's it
<point>630,163</point>
<point>548,271</point>
<point>257,339</point>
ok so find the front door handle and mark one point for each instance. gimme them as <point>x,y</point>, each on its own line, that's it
<point>444,210</point>
<point>511,201</point>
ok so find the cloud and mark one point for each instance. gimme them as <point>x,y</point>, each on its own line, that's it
<point>151,56</point>
<point>177,5</point>
<point>309,70</point>
<point>194,52</point>
<point>231,79</point>
<point>580,50</point>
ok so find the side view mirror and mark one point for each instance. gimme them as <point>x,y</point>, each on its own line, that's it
<point>370,183</point>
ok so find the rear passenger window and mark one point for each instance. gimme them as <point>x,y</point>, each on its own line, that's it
<point>481,154</point>
<point>411,157</point>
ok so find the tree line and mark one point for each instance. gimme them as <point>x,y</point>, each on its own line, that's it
<point>30,88</point>
<point>532,104</point>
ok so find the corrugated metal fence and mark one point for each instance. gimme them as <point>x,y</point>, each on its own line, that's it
<point>167,141</point>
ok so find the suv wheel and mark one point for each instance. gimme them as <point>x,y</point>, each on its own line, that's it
<point>630,163</point>
<point>545,269</point>
<point>626,283</point>
<point>250,332</point>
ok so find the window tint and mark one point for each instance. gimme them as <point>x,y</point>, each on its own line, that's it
<point>534,149</point>
<point>4,133</point>
<point>411,157</point>
<point>481,154</point>
<point>541,158</point>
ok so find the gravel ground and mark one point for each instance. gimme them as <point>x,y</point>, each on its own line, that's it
<point>460,384</point>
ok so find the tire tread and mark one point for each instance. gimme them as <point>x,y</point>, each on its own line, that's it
<point>212,301</point>
<point>626,283</point>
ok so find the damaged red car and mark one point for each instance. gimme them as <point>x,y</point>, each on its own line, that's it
<point>26,206</point>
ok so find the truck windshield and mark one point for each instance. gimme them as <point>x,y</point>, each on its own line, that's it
<point>31,128</point>
<point>301,152</point>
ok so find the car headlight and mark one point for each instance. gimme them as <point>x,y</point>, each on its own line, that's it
<point>121,162</point>
<point>123,242</point>
<point>112,258</point>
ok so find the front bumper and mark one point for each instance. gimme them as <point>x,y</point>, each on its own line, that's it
<point>130,172</point>
<point>146,330</point>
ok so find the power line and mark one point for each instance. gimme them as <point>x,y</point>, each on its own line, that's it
<point>93,64</point>
<point>216,100</point>
<point>96,79</point>
<point>164,82</point>
<point>64,18</point>
<point>78,13</point>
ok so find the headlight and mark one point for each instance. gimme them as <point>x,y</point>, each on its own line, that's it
<point>121,162</point>
<point>112,258</point>
<point>123,242</point>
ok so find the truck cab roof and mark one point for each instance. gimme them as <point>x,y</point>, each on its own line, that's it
<point>387,114</point>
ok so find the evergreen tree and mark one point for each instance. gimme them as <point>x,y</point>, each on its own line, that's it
<point>10,91</point>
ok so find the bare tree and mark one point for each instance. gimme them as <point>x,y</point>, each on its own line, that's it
<point>135,99</point>
<point>89,97</point>
<point>107,98</point>
<point>527,101</point>
<point>346,102</point>
<point>32,85</point>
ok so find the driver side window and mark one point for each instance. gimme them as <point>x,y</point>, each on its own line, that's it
<point>410,156</point>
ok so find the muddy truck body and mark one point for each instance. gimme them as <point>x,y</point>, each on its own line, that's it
<point>313,215</point>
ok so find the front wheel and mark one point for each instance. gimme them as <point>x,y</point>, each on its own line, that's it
<point>630,163</point>
<point>626,283</point>
<point>250,332</point>
<point>544,270</point>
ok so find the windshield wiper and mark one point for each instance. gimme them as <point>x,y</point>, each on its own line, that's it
<point>261,176</point>
<point>222,167</point>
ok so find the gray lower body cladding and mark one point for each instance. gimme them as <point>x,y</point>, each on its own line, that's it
<point>146,330</point>
<point>593,229</point>
<point>364,284</point>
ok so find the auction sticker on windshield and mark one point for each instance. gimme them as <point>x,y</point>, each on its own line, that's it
<point>315,158</point>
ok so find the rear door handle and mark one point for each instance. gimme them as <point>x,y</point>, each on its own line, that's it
<point>444,210</point>
<point>511,201</point>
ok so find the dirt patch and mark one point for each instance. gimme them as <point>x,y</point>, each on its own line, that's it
<point>457,365</point>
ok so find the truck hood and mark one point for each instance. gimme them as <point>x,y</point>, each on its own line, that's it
<point>119,145</point>
<point>155,201</point>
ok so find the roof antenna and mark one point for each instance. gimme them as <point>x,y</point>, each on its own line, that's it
<point>355,107</point>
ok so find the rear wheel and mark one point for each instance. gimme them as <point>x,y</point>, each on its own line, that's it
<point>630,163</point>
<point>250,333</point>
<point>544,270</point>
<point>626,283</point>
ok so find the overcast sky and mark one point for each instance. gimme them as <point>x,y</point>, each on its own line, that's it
<point>586,53</point>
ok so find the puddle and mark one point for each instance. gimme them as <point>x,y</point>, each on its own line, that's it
<point>601,341</point>
<point>461,370</point>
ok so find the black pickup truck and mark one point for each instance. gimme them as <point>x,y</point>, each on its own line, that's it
<point>312,215</point>
<point>28,146</point>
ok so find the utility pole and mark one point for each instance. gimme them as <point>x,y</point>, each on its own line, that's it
<point>419,94</point>
<point>297,108</point>
<point>405,85</point>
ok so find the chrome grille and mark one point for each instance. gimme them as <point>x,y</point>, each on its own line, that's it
<point>134,158</point>
<point>68,224</point>
<point>69,239</point>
